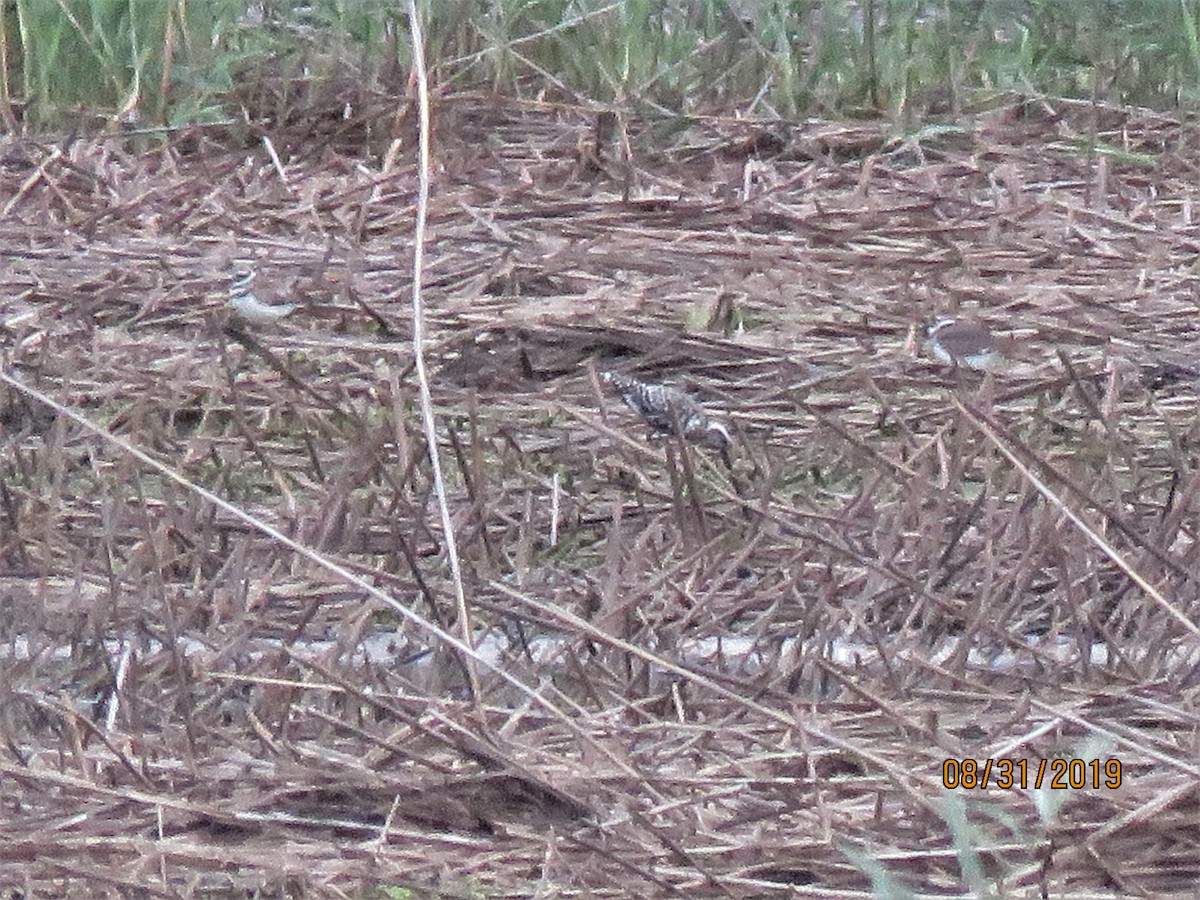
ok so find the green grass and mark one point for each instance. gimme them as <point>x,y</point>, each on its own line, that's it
<point>179,62</point>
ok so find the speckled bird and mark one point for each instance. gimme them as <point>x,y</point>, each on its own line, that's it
<point>669,410</point>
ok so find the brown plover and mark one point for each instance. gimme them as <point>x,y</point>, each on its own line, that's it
<point>961,342</point>
<point>245,304</point>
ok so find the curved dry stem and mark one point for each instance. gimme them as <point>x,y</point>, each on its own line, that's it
<point>428,422</point>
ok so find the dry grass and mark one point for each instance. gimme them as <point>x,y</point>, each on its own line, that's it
<point>193,708</point>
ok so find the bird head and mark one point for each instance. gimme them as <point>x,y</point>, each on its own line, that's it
<point>716,436</point>
<point>242,279</point>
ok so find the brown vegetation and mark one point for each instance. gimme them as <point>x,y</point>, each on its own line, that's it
<point>718,684</point>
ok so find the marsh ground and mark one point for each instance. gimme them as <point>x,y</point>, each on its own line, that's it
<point>719,684</point>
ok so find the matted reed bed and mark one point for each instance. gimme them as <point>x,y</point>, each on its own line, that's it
<point>713,683</point>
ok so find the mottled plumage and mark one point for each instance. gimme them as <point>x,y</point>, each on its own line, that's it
<point>671,411</point>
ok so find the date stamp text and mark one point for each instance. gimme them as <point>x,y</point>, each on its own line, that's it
<point>1055,774</point>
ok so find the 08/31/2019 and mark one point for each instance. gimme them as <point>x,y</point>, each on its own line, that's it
<point>1055,774</point>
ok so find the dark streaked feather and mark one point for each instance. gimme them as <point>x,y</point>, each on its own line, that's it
<point>670,411</point>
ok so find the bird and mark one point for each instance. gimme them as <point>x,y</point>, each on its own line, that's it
<point>245,304</point>
<point>668,410</point>
<point>960,342</point>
